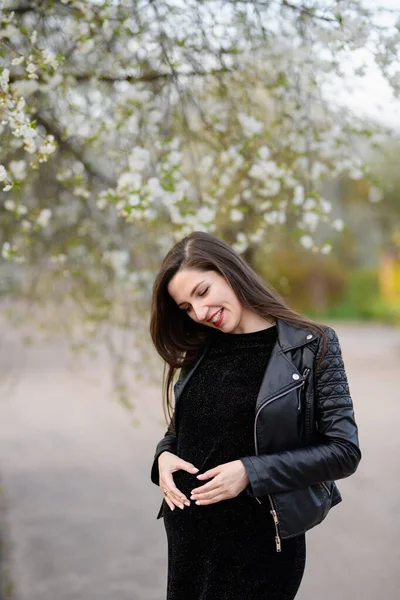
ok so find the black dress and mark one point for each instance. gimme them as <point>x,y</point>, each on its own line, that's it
<point>226,550</point>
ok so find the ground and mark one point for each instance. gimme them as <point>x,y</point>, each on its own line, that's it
<point>81,510</point>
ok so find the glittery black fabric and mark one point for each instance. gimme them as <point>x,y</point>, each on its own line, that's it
<point>226,550</point>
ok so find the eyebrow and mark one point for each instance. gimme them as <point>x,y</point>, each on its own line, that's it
<point>193,291</point>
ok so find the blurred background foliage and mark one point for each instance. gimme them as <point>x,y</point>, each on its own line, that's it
<point>126,125</point>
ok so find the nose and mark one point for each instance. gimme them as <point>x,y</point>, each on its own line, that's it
<point>200,312</point>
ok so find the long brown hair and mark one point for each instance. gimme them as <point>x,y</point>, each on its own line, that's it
<point>179,339</point>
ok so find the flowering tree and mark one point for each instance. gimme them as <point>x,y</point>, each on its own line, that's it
<point>126,120</point>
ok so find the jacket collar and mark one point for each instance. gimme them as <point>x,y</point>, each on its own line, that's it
<point>291,336</point>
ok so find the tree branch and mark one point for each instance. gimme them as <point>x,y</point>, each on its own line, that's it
<point>67,145</point>
<point>304,10</point>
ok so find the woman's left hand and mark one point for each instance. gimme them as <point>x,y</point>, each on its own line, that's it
<point>228,480</point>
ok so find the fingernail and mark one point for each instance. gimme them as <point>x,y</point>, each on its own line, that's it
<point>197,501</point>
<point>181,506</point>
<point>187,503</point>
<point>195,470</point>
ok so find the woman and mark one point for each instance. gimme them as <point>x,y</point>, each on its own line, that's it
<point>262,426</point>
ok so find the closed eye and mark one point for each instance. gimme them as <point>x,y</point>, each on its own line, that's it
<point>203,293</point>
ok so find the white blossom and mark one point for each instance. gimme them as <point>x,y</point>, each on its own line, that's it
<point>101,203</point>
<point>241,243</point>
<point>49,146</point>
<point>3,173</point>
<point>6,250</point>
<point>275,217</point>
<point>207,162</point>
<point>265,205</point>
<point>49,58</point>
<point>81,192</point>
<point>356,174</point>
<point>59,259</point>
<point>271,188</point>
<point>8,32</point>
<point>134,200</point>
<point>326,249</point>
<point>325,205</point>
<point>44,217</point>
<point>338,224</point>
<point>310,220</point>
<point>306,241</point>
<point>298,197</point>
<point>264,153</point>
<point>9,205</point>
<point>139,159</point>
<point>31,69</point>
<point>173,159</point>
<point>18,61</point>
<point>21,209</point>
<point>118,259</point>
<point>257,236</point>
<point>250,125</point>
<point>130,181</point>
<point>4,79</point>
<point>318,169</point>
<point>205,214</point>
<point>224,180</point>
<point>236,215</point>
<point>86,47</point>
<point>18,169</point>
<point>26,225</point>
<point>309,204</point>
<point>154,189</point>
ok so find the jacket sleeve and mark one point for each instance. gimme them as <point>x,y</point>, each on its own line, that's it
<point>167,443</point>
<point>337,453</point>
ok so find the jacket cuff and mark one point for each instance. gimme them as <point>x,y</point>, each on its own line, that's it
<point>167,444</point>
<point>254,482</point>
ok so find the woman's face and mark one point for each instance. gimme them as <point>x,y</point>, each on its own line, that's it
<point>207,298</point>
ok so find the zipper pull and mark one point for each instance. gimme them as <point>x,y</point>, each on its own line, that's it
<point>274,516</point>
<point>305,375</point>
<point>278,543</point>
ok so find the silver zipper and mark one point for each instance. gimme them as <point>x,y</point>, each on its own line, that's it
<point>276,522</point>
<point>305,375</point>
<point>273,511</point>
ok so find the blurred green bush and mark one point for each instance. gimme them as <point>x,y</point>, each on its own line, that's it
<point>323,287</point>
<point>361,300</point>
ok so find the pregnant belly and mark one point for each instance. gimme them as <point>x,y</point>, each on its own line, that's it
<point>186,482</point>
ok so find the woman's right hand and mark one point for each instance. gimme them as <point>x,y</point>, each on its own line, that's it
<point>168,463</point>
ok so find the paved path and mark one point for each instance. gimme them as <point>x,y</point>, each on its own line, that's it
<point>81,508</point>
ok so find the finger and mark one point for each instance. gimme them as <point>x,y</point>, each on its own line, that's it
<point>170,504</point>
<point>170,499</point>
<point>212,500</point>
<point>176,495</point>
<point>208,495</point>
<point>186,466</point>
<point>208,487</point>
<point>208,474</point>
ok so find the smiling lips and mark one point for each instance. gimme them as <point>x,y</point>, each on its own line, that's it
<point>217,318</point>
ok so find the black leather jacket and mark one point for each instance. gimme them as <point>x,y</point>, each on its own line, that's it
<point>305,435</point>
